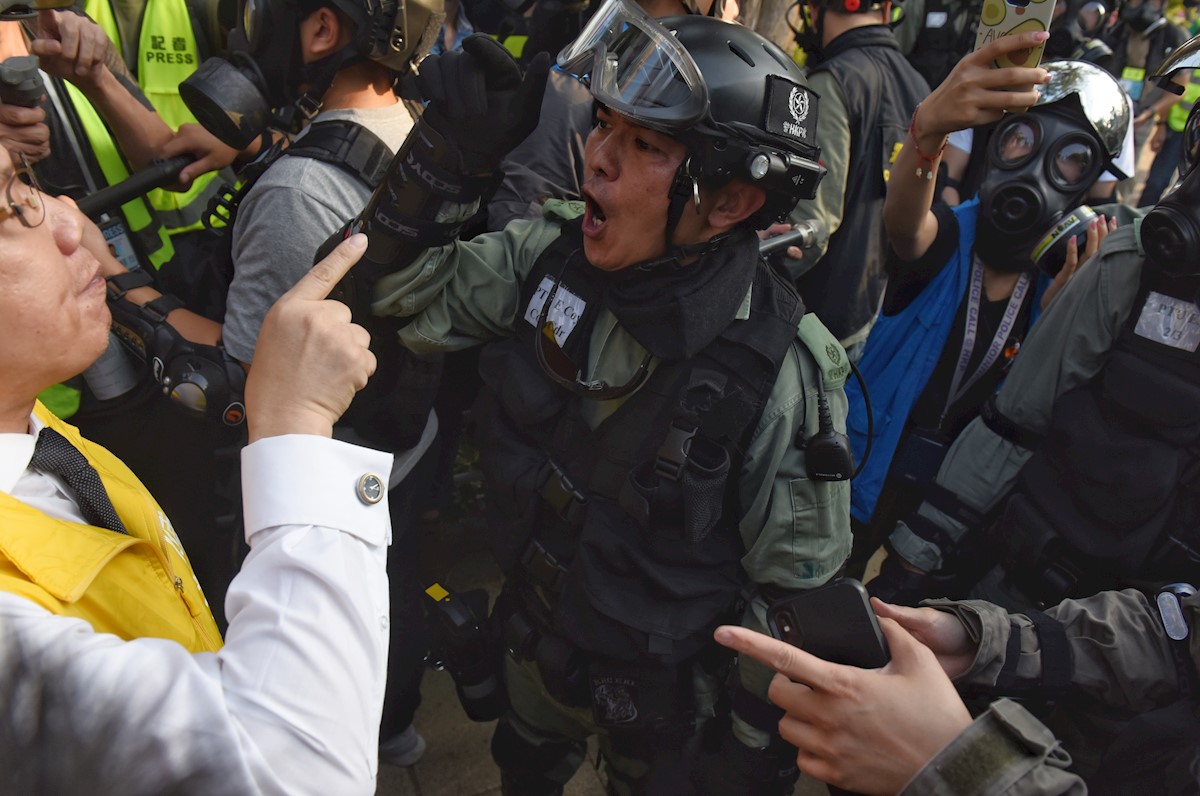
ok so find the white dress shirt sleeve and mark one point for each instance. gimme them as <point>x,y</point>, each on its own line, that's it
<point>290,705</point>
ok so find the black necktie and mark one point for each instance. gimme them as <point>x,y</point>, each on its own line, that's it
<point>55,454</point>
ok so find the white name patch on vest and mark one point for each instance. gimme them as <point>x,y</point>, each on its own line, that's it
<point>564,313</point>
<point>1170,321</point>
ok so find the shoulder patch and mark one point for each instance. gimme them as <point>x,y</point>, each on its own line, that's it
<point>826,351</point>
<point>562,209</point>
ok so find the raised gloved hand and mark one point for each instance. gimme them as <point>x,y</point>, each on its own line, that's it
<point>479,101</point>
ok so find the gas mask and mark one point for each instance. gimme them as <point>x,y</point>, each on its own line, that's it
<point>266,84</point>
<point>1042,163</point>
<point>235,99</point>
<point>1171,231</point>
<point>1041,166</point>
<point>1143,18</point>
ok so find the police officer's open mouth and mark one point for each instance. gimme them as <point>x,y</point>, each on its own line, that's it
<point>595,213</point>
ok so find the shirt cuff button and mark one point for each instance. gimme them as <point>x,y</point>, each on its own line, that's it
<point>370,489</point>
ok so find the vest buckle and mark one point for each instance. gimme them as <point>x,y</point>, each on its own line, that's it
<point>673,453</point>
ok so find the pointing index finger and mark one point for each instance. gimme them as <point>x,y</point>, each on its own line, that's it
<point>321,278</point>
<point>796,664</point>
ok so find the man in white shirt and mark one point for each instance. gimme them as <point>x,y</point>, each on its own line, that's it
<point>112,677</point>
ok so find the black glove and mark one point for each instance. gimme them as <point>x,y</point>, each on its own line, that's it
<point>899,585</point>
<point>480,103</point>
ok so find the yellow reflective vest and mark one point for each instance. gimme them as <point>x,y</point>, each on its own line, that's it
<point>167,55</point>
<point>133,586</point>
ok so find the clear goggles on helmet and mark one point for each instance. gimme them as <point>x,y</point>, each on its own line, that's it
<point>636,67</point>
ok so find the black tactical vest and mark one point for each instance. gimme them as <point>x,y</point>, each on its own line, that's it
<point>1111,498</point>
<point>938,49</point>
<point>881,90</point>
<point>631,527</point>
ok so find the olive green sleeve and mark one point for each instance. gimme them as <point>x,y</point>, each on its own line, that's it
<point>1004,752</point>
<point>796,530</point>
<point>1119,652</point>
<point>465,293</point>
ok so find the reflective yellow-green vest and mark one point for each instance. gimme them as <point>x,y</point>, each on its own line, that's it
<point>134,585</point>
<point>142,220</point>
<point>1178,115</point>
<point>167,55</point>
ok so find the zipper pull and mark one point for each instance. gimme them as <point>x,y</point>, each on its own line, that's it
<point>183,595</point>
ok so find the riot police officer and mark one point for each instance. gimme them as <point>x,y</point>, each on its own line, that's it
<point>658,410</point>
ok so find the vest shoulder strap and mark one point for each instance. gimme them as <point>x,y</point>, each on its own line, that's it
<point>347,145</point>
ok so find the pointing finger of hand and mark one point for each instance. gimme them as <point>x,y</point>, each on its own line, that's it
<point>322,277</point>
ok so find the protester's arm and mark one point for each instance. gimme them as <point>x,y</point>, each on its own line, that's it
<point>291,704</point>
<point>902,728</point>
<point>74,48</point>
<point>971,95</point>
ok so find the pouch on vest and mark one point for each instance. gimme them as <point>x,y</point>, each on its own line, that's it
<point>681,493</point>
<point>688,465</point>
<point>636,698</point>
<point>1171,408</point>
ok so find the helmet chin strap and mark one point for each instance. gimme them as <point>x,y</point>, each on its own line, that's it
<point>684,193</point>
<point>319,75</point>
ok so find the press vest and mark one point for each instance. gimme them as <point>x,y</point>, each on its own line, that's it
<point>631,526</point>
<point>140,217</point>
<point>1111,498</point>
<point>167,55</point>
<point>881,90</point>
<point>134,586</point>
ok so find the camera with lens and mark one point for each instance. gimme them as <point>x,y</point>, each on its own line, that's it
<point>467,646</point>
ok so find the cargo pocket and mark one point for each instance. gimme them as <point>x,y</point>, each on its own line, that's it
<point>820,538</point>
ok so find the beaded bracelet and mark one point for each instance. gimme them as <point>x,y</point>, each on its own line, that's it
<point>929,170</point>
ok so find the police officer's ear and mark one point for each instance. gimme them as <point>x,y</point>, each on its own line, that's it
<point>324,32</point>
<point>731,204</point>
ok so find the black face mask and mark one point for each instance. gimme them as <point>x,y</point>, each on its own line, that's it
<point>1141,18</point>
<point>1041,165</point>
<point>1171,231</point>
<point>807,30</point>
<point>259,86</point>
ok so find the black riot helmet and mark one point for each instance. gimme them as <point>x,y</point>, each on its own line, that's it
<point>736,100</point>
<point>1171,231</point>
<point>1042,163</point>
<point>260,86</point>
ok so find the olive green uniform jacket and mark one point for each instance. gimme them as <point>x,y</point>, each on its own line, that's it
<point>1121,657</point>
<point>796,531</point>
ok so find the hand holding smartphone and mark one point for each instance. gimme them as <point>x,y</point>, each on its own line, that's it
<point>834,622</point>
<point>1000,18</point>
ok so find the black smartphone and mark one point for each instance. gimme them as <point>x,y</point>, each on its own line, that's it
<point>834,622</point>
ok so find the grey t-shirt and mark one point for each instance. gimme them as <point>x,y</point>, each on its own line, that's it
<point>295,206</point>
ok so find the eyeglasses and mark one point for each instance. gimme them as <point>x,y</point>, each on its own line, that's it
<point>23,197</point>
<point>562,371</point>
